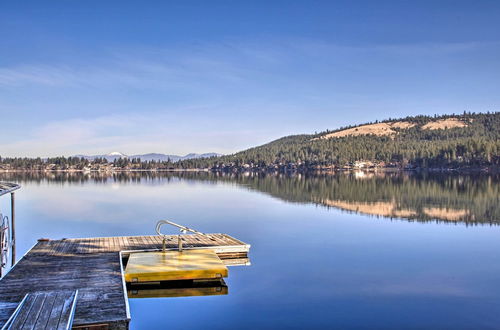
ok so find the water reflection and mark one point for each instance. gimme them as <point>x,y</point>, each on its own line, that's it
<point>453,198</point>
<point>176,289</point>
<point>312,267</point>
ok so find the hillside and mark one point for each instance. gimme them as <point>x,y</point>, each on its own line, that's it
<point>450,141</point>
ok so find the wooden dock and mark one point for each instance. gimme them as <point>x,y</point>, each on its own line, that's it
<point>94,267</point>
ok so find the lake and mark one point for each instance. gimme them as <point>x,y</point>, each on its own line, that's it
<point>358,250</point>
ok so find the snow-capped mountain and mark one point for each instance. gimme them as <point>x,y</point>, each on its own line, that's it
<point>148,157</point>
<point>116,153</point>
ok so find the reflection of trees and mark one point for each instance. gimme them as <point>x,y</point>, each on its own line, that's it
<point>422,197</point>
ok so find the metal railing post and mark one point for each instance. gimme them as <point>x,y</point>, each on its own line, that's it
<point>179,242</point>
<point>183,230</point>
<point>13,226</point>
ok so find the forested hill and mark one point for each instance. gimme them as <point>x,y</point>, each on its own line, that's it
<point>450,141</point>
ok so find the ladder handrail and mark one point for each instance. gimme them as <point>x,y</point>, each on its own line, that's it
<point>183,230</point>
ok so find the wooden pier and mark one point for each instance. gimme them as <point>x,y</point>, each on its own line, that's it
<point>94,267</point>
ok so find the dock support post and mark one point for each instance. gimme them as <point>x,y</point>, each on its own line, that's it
<point>179,240</point>
<point>13,227</point>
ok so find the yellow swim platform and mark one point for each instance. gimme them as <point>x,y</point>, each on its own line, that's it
<point>172,265</point>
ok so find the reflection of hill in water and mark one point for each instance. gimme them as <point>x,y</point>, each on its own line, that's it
<point>470,199</point>
<point>392,210</point>
<point>435,197</point>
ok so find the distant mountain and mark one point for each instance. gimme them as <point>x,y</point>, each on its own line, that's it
<point>109,157</point>
<point>197,156</point>
<point>150,156</point>
<point>173,158</point>
<point>116,154</point>
<point>157,157</point>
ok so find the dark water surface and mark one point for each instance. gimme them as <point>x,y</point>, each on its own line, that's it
<point>345,251</point>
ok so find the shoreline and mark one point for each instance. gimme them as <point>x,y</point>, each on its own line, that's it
<point>471,170</point>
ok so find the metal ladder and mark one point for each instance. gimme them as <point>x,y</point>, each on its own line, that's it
<point>183,230</point>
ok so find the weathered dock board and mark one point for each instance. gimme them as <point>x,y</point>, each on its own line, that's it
<point>93,267</point>
<point>44,310</point>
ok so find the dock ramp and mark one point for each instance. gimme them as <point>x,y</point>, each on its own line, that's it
<point>44,310</point>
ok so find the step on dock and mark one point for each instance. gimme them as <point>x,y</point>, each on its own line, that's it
<point>44,310</point>
<point>94,267</point>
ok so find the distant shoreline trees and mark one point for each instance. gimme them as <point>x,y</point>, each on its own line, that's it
<point>476,145</point>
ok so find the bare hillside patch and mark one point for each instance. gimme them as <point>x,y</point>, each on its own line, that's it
<point>446,214</point>
<point>444,123</point>
<point>379,129</point>
<point>386,209</point>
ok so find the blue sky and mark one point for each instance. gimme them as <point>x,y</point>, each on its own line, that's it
<point>220,76</point>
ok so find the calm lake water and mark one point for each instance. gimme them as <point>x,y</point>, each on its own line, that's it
<point>345,251</point>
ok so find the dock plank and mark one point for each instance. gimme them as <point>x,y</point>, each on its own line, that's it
<point>24,312</point>
<point>91,266</point>
<point>33,314</point>
<point>44,310</point>
<point>65,319</point>
<point>44,316</point>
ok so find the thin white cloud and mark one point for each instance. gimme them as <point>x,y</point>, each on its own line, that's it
<point>228,63</point>
<point>160,69</point>
<point>319,47</point>
<point>131,134</point>
<point>224,97</point>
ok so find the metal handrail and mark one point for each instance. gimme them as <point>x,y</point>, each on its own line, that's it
<point>4,240</point>
<point>9,188</point>
<point>183,230</point>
